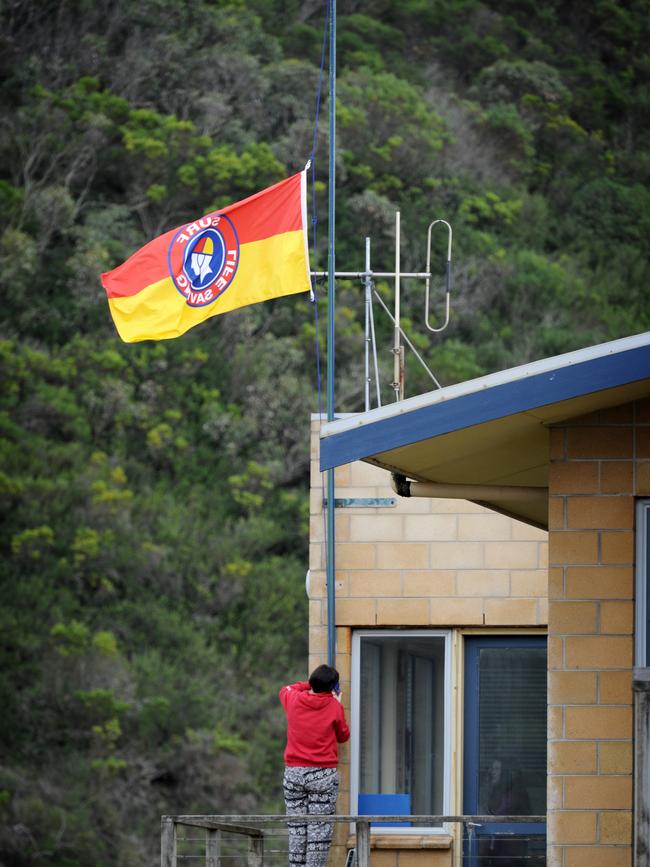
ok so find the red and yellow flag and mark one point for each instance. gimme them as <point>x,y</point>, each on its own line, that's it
<point>251,251</point>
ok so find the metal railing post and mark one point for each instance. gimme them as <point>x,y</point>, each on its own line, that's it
<point>167,842</point>
<point>363,843</point>
<point>212,848</point>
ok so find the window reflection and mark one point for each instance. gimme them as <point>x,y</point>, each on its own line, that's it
<point>402,713</point>
<point>512,731</point>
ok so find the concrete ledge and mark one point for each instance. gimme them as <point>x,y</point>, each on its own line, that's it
<point>405,841</point>
<point>641,679</point>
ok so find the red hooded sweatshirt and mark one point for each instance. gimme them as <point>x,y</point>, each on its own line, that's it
<point>315,724</point>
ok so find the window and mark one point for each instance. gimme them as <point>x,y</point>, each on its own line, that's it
<point>504,748</point>
<point>642,579</point>
<point>401,723</point>
<point>505,724</point>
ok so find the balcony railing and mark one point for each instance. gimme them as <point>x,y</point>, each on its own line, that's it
<point>260,841</point>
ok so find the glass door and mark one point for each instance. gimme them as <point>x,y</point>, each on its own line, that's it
<point>505,749</point>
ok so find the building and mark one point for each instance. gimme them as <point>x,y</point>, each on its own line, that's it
<point>441,606</point>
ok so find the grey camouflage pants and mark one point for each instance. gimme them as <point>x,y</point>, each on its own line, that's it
<point>310,791</point>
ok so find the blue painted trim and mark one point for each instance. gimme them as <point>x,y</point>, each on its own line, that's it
<point>500,401</point>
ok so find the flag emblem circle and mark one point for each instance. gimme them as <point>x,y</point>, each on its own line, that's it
<point>203,258</point>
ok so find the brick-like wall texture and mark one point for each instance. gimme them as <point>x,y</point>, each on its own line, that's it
<point>599,463</point>
<point>420,563</point>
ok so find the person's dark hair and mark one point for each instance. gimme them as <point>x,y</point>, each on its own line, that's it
<point>324,678</point>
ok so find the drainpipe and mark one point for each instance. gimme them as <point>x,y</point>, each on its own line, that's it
<point>519,493</point>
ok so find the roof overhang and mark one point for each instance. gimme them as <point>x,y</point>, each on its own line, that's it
<point>493,430</point>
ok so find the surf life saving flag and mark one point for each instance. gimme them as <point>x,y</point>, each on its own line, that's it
<point>248,252</point>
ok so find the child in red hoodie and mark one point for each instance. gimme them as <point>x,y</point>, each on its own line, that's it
<point>316,724</point>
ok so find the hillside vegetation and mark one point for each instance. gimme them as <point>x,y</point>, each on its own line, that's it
<point>155,496</point>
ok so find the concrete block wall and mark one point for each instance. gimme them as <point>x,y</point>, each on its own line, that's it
<point>420,563</point>
<point>599,463</point>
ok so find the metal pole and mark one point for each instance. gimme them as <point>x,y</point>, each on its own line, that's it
<point>331,287</point>
<point>331,244</point>
<point>374,353</point>
<point>357,275</point>
<point>366,385</point>
<point>398,376</point>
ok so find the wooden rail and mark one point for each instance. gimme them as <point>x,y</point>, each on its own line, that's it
<point>256,829</point>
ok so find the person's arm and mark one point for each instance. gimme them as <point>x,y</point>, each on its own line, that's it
<point>341,729</point>
<point>285,692</point>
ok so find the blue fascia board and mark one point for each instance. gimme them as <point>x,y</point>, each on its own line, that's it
<point>489,404</point>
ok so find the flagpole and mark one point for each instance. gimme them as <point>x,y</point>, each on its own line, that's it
<point>331,288</point>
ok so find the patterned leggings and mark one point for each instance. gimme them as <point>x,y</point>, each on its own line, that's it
<point>310,791</point>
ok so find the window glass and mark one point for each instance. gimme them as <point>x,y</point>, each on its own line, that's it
<point>512,731</point>
<point>402,721</point>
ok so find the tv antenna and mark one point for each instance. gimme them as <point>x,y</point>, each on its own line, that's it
<point>367,277</point>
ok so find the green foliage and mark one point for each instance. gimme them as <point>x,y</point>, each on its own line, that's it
<point>119,629</point>
<point>101,704</point>
<point>229,742</point>
<point>105,642</point>
<point>108,766</point>
<point>385,122</point>
<point>508,81</point>
<point>70,638</point>
<point>33,542</point>
<point>489,211</point>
